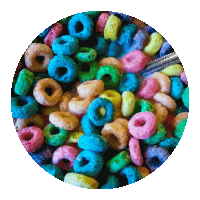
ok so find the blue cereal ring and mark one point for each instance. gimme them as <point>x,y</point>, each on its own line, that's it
<point>94,115</point>
<point>93,142</point>
<point>100,45</point>
<point>87,126</point>
<point>23,106</point>
<point>131,173</point>
<point>44,33</point>
<point>88,163</point>
<point>80,26</point>
<point>113,49</point>
<point>129,82</point>
<point>65,45</point>
<point>165,49</point>
<point>177,88</point>
<point>54,171</point>
<point>155,156</point>
<point>169,144</point>
<point>62,68</point>
<point>112,182</point>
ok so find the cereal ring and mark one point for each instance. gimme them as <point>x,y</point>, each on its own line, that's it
<point>142,125</point>
<point>66,97</point>
<point>116,135</point>
<point>135,152</point>
<point>47,92</point>
<point>31,138</point>
<point>165,49</point>
<point>80,26</point>
<point>55,136</point>
<point>62,68</point>
<point>118,162</point>
<point>173,70</point>
<point>37,57</point>
<point>112,182</point>
<point>94,115</point>
<point>64,120</point>
<point>166,100</point>
<point>158,136</point>
<point>143,171</point>
<point>164,81</point>
<point>54,171</point>
<point>128,103</point>
<point>134,61</point>
<point>23,106</point>
<point>38,77</point>
<point>78,105</point>
<point>24,82</point>
<point>149,29</point>
<point>34,120</point>
<point>65,45</point>
<point>101,22</point>
<point>93,14</point>
<point>122,16</point>
<point>81,180</point>
<point>161,112</point>
<point>184,78</point>
<point>142,105</point>
<point>129,82</point>
<point>85,54</point>
<point>45,32</point>
<point>100,45</point>
<point>111,61</point>
<point>155,43</point>
<point>88,163</point>
<point>113,49</point>
<point>181,116</point>
<point>155,156</point>
<point>185,97</point>
<point>93,142</point>
<point>148,89</point>
<point>113,96</point>
<point>74,137</point>
<point>169,144</point>
<point>177,88</point>
<point>112,27</point>
<point>53,33</point>
<point>109,75</point>
<point>64,157</point>
<point>180,128</point>
<point>131,173</point>
<point>117,113</point>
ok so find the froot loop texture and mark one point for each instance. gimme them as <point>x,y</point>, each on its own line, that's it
<point>82,110</point>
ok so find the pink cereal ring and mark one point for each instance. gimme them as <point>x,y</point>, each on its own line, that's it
<point>142,125</point>
<point>184,78</point>
<point>31,138</point>
<point>54,32</point>
<point>101,22</point>
<point>148,88</point>
<point>64,157</point>
<point>134,61</point>
<point>135,152</point>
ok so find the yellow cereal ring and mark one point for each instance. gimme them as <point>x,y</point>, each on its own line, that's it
<point>128,103</point>
<point>113,96</point>
<point>111,61</point>
<point>112,27</point>
<point>143,171</point>
<point>155,43</point>
<point>73,137</point>
<point>81,180</point>
<point>173,70</point>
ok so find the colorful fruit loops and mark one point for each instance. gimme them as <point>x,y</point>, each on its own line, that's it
<point>83,112</point>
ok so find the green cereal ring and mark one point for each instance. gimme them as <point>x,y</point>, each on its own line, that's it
<point>93,14</point>
<point>158,136</point>
<point>180,129</point>
<point>185,97</point>
<point>118,162</point>
<point>109,75</point>
<point>85,54</point>
<point>142,105</point>
<point>65,20</point>
<point>55,136</point>
<point>24,82</point>
<point>84,74</point>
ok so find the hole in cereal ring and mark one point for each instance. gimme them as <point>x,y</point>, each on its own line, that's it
<point>85,67</point>
<point>28,136</point>
<point>30,124</point>
<point>62,42</point>
<point>112,139</point>
<point>21,102</point>
<point>155,161</point>
<point>140,122</point>
<point>79,27</point>
<point>39,59</point>
<point>106,78</point>
<point>55,131</point>
<point>84,162</point>
<point>61,71</point>
<point>170,150</point>
<point>65,161</point>
<point>102,111</point>
<point>49,91</point>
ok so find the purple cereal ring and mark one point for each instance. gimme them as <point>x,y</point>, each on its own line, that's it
<point>64,157</point>
<point>101,22</point>
<point>135,152</point>
<point>54,32</point>
<point>134,61</point>
<point>31,138</point>
<point>142,125</point>
<point>148,88</point>
<point>184,78</point>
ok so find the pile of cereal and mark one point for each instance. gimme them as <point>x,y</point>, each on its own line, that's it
<point>83,112</point>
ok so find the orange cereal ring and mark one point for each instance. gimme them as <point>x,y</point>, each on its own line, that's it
<point>166,100</point>
<point>116,135</point>
<point>47,92</point>
<point>37,57</point>
<point>66,97</point>
<point>64,120</point>
<point>164,82</point>
<point>117,113</point>
<point>90,88</point>
<point>180,117</point>
<point>161,112</point>
<point>111,61</point>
